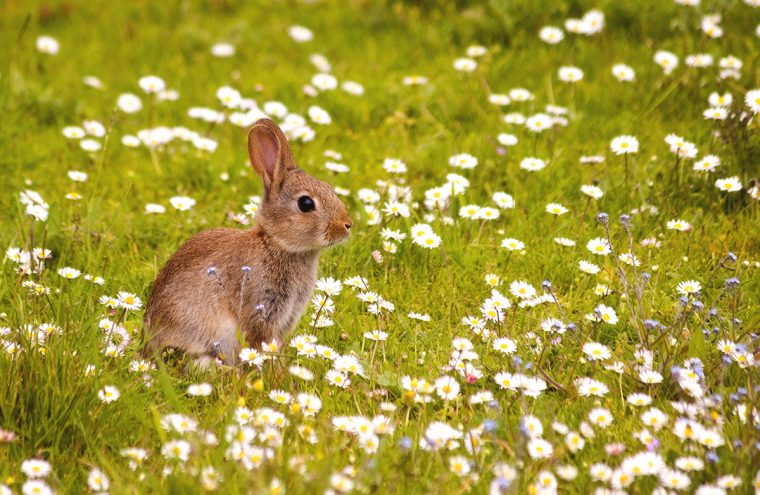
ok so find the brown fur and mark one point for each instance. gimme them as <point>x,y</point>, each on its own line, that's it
<point>202,295</point>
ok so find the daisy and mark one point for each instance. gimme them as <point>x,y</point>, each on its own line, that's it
<point>596,351</point>
<point>469,211</point>
<point>600,417</point>
<point>464,161</point>
<point>508,381</point>
<point>592,191</point>
<point>499,99</point>
<point>465,64</point>
<point>36,468</point>
<point>512,244</point>
<point>323,82</point>
<point>459,465</point>
<point>588,267</point>
<point>538,448</point>
<point>639,399</point>
<point>338,379</point>
<point>31,487</point>
<point>752,100</point>
<point>520,94</point>
<point>280,397</point>
<point>419,316</point>
<point>522,289</point>
<point>301,372</point>
<point>447,388</point>
<point>515,118</point>
<point>551,35</point>
<point>98,481</point>
<point>129,301</point>
<point>251,356</point>
<point>606,314</point>
<point>376,335</point>
<point>623,73</point>
<point>222,50</point>
<point>503,200</point>
<point>574,441</point>
<point>556,209</point>
<point>707,164</point>
<point>532,386</point>
<point>599,246</point>
<point>429,240</point>
<point>539,122</point>
<point>69,273</point>
<point>48,45</point>
<point>681,147</point>
<point>531,426</point>
<point>689,287</point>
<point>650,376</point>
<point>300,34</point>
<point>415,80</point>
<point>352,88</point>
<point>532,164</point>
<point>623,145</point>
<point>109,394</point>
<point>667,60</point>
<point>73,132</point>
<point>729,184</point>
<point>570,74</point>
<point>176,450</point>
<point>182,203</point>
<point>394,166</point>
<point>199,389</point>
<point>504,345</point>
<point>680,225</point>
<point>654,418</point>
<point>152,84</point>
<point>588,387</point>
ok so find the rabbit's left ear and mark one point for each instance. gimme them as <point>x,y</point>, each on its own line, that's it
<point>269,153</point>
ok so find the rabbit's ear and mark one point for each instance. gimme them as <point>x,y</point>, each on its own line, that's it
<point>269,152</point>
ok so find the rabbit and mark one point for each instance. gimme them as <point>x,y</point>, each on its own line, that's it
<point>257,280</point>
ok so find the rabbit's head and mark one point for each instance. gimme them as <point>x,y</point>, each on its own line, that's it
<point>299,212</point>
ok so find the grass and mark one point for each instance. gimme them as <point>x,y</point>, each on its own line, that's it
<point>50,402</point>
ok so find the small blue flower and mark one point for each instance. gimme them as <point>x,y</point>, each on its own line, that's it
<point>651,324</point>
<point>603,218</point>
<point>626,221</point>
<point>405,443</point>
<point>731,283</point>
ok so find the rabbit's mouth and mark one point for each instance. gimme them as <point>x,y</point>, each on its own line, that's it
<point>334,242</point>
<point>333,237</point>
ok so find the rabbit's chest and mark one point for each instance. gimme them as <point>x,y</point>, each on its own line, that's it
<point>278,302</point>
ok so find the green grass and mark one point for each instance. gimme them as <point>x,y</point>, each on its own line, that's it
<point>50,401</point>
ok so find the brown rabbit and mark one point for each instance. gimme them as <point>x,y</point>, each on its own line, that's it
<point>258,280</point>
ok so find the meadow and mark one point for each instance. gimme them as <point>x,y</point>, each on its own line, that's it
<point>552,284</point>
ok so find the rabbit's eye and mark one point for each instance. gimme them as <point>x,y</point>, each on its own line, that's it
<point>306,204</point>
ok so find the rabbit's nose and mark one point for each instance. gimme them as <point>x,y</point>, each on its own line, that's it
<point>348,225</point>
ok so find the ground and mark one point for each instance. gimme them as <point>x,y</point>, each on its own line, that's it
<point>575,309</point>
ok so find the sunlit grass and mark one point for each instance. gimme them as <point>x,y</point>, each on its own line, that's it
<point>50,407</point>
